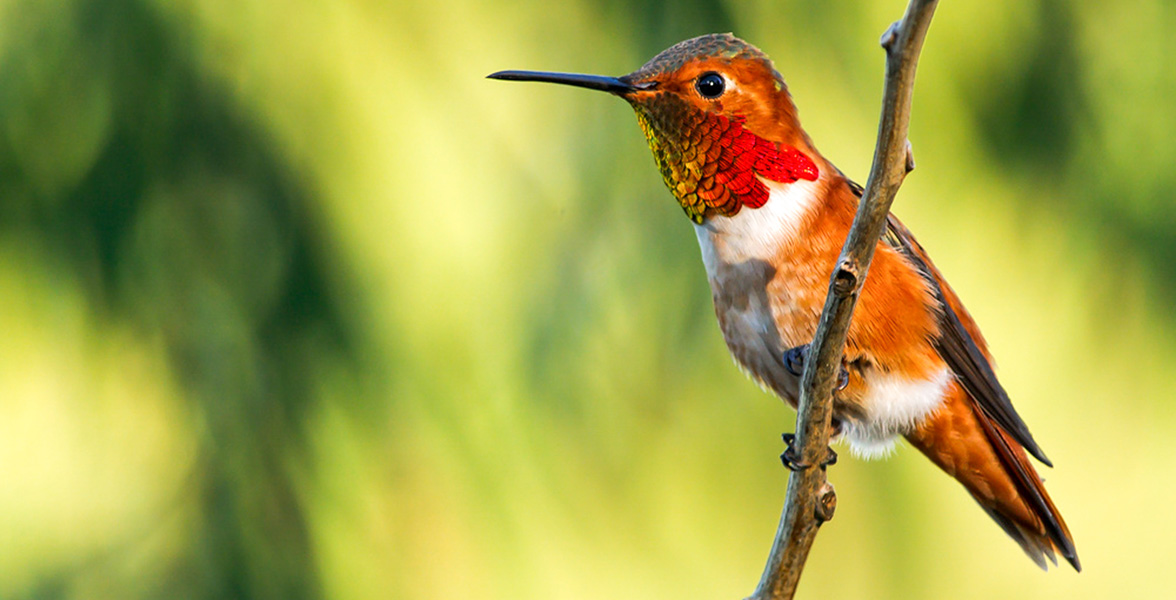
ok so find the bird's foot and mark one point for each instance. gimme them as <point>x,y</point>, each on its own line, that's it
<point>794,359</point>
<point>793,463</point>
<point>788,457</point>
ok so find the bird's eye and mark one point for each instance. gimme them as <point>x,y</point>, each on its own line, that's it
<point>710,85</point>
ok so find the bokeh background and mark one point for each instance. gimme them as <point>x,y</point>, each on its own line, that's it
<point>294,304</point>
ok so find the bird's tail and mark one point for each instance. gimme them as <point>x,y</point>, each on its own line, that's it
<point>969,446</point>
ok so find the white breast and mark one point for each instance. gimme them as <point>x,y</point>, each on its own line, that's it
<point>758,232</point>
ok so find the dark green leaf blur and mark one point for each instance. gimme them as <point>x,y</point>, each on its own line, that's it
<point>295,304</point>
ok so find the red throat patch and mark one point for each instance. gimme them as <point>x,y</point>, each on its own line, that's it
<point>753,155</point>
<point>714,166</point>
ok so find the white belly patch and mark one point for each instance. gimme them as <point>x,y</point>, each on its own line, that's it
<point>894,405</point>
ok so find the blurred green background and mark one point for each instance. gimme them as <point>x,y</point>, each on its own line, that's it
<point>294,304</point>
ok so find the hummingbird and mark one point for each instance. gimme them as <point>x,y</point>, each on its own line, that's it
<point>771,214</point>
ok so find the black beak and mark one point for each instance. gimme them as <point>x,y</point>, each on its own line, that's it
<point>612,85</point>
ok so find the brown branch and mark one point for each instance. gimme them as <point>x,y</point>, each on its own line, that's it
<point>811,499</point>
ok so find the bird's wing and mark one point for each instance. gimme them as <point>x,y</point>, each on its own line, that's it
<point>960,343</point>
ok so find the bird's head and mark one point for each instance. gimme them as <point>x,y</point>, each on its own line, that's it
<point>718,119</point>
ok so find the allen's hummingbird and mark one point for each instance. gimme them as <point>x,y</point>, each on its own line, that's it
<point>771,215</point>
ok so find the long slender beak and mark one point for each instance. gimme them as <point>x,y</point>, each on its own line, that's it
<point>612,85</point>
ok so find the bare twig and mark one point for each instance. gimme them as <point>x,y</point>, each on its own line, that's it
<point>811,499</point>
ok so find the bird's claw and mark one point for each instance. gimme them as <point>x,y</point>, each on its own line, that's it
<point>794,359</point>
<point>788,457</point>
<point>830,457</point>
<point>793,463</point>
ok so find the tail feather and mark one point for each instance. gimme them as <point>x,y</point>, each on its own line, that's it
<point>1032,492</point>
<point>965,443</point>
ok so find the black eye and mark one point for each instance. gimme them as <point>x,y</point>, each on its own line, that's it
<point>710,85</point>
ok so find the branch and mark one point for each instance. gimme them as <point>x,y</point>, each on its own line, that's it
<point>811,499</point>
